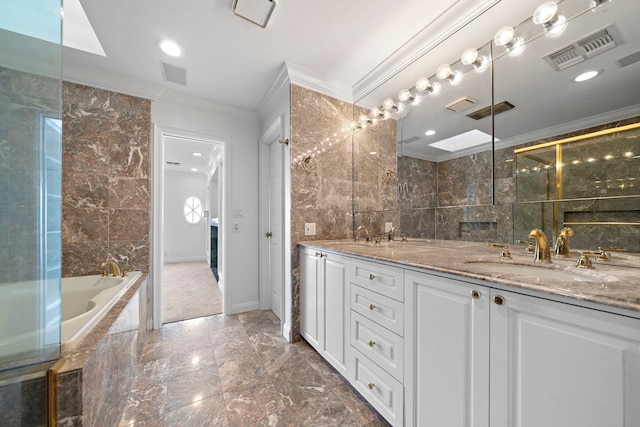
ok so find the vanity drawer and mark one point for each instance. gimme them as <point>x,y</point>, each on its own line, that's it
<point>379,344</point>
<point>382,310</point>
<point>379,278</point>
<point>380,389</point>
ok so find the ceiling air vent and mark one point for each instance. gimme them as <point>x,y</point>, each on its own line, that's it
<point>585,48</point>
<point>628,60</point>
<point>462,104</point>
<point>174,74</point>
<point>500,107</point>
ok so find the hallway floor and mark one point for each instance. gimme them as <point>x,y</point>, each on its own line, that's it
<point>238,371</point>
<point>190,291</point>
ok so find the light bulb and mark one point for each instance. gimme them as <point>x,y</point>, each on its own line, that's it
<point>364,118</point>
<point>444,71</point>
<point>404,95</point>
<point>423,84</point>
<point>388,104</point>
<point>588,75</point>
<point>545,13</point>
<point>506,36</point>
<point>469,56</point>
<point>376,112</point>
<point>600,6</point>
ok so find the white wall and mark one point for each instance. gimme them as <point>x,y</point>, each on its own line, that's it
<point>239,130</point>
<point>183,242</point>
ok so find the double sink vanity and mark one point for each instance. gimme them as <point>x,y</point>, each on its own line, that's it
<point>451,333</point>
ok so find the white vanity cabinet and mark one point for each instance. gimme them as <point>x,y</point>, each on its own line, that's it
<point>558,365</point>
<point>447,352</point>
<point>485,357</point>
<point>324,305</point>
<point>376,367</point>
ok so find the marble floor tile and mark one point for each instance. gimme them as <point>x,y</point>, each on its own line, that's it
<point>238,371</point>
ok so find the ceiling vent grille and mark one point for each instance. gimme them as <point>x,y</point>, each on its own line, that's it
<point>585,48</point>
<point>174,74</point>
<point>462,104</point>
<point>628,60</point>
<point>500,107</point>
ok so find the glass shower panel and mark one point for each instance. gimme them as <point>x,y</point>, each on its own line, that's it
<point>30,182</point>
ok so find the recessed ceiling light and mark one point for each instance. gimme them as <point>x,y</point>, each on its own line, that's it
<point>196,154</point>
<point>194,169</point>
<point>169,47</point>
<point>464,140</point>
<point>430,132</point>
<point>588,75</point>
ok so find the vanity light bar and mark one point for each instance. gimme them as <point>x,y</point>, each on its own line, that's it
<point>578,137</point>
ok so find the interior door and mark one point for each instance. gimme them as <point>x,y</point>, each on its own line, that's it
<point>276,261</point>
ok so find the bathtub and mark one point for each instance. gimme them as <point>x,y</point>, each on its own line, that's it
<point>85,300</point>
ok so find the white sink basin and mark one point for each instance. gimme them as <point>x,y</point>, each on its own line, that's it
<point>541,273</point>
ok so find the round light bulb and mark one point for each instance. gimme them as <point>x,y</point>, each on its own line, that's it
<point>169,47</point>
<point>469,56</point>
<point>422,84</point>
<point>600,6</point>
<point>545,13</point>
<point>404,95</point>
<point>558,27</point>
<point>388,104</point>
<point>444,71</point>
<point>504,35</point>
<point>376,112</point>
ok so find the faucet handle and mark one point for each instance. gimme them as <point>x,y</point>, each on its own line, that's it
<point>505,249</point>
<point>585,261</point>
<point>530,246</point>
<point>604,250</point>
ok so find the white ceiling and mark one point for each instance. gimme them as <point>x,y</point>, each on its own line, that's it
<point>232,61</point>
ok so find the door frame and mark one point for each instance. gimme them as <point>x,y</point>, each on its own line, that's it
<point>275,132</point>
<point>157,217</point>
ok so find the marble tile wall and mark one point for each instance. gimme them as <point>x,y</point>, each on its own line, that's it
<point>321,189</point>
<point>97,376</point>
<point>106,180</point>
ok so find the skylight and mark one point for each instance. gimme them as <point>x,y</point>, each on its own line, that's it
<point>459,142</point>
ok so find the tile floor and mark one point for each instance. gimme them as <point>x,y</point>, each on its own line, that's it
<point>238,371</point>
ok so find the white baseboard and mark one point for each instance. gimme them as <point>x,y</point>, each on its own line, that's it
<point>286,331</point>
<point>246,306</point>
<point>188,259</point>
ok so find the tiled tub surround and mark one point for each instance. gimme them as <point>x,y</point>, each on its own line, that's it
<point>97,374</point>
<point>105,180</point>
<point>466,259</point>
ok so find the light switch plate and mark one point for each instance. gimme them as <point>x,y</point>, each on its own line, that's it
<point>388,226</point>
<point>309,228</point>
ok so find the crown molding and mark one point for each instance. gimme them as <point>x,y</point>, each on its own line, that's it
<point>280,83</point>
<point>314,81</point>
<point>439,29</point>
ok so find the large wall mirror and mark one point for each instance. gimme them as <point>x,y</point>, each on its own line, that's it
<point>485,174</point>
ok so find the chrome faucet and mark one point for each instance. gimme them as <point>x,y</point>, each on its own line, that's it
<point>542,253</point>
<point>366,233</point>
<point>562,243</point>
<point>114,268</point>
<point>392,233</point>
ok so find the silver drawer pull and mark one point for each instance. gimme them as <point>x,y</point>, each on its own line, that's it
<point>372,307</point>
<point>372,343</point>
<point>371,386</point>
<point>371,276</point>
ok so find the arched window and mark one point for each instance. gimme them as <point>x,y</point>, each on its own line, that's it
<point>193,210</point>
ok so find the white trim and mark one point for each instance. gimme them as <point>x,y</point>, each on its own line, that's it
<point>186,259</point>
<point>245,306</point>
<point>280,83</point>
<point>450,21</point>
<point>313,81</point>
<point>157,216</point>
<point>275,131</point>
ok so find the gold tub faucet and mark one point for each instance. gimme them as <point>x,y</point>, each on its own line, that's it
<point>542,253</point>
<point>114,268</point>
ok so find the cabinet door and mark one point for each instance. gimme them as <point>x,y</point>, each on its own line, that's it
<point>447,340</point>
<point>310,297</point>
<point>558,365</point>
<point>335,311</point>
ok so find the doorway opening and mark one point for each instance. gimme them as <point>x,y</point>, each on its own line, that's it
<point>188,222</point>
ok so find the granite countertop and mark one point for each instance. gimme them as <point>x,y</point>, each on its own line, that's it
<point>613,283</point>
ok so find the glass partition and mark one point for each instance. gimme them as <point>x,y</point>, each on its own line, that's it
<point>31,208</point>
